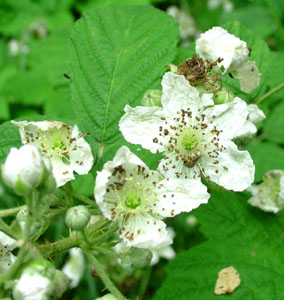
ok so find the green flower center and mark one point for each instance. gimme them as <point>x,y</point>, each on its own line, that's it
<point>57,144</point>
<point>132,201</point>
<point>189,142</point>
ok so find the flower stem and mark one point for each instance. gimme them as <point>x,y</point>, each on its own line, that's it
<point>10,211</point>
<point>104,277</point>
<point>268,94</point>
<point>84,199</point>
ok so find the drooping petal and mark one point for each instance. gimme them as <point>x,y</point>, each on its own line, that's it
<point>140,125</point>
<point>179,94</point>
<point>144,231</point>
<point>177,195</point>
<point>255,114</point>
<point>248,75</point>
<point>228,117</point>
<point>247,130</point>
<point>233,169</point>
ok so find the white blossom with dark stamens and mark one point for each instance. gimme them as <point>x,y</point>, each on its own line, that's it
<point>61,144</point>
<point>194,140</point>
<point>137,198</point>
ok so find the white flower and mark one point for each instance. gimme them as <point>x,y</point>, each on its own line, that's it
<point>74,267</point>
<point>60,143</point>
<point>269,195</point>
<point>17,47</point>
<point>33,287</point>
<point>7,244</point>
<point>193,140</point>
<point>24,169</point>
<point>187,26</point>
<point>218,43</point>
<point>165,252</point>
<point>138,199</point>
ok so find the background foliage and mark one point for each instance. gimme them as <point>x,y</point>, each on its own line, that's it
<point>86,72</point>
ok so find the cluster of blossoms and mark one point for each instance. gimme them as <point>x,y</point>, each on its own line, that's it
<point>193,122</point>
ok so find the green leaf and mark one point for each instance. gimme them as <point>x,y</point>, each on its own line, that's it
<point>266,156</point>
<point>259,54</point>
<point>9,137</point>
<point>275,124</point>
<point>240,236</point>
<point>258,24</point>
<point>116,55</point>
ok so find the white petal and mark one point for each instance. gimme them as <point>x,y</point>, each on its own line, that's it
<point>140,125</point>
<point>217,42</point>
<point>235,170</point>
<point>248,75</point>
<point>179,94</point>
<point>229,117</point>
<point>247,130</point>
<point>74,267</point>
<point>9,243</point>
<point>122,157</point>
<point>180,195</point>
<point>255,114</point>
<point>148,233</point>
<point>207,99</point>
<point>177,169</point>
<point>61,172</point>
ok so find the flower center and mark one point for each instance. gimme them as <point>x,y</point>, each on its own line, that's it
<point>132,201</point>
<point>189,142</point>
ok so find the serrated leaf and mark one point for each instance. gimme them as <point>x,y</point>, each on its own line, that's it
<point>116,55</point>
<point>266,157</point>
<point>9,137</point>
<point>240,236</point>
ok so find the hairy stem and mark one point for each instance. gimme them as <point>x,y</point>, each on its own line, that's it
<point>104,277</point>
<point>10,211</point>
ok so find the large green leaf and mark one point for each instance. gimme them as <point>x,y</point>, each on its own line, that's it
<point>240,236</point>
<point>116,55</point>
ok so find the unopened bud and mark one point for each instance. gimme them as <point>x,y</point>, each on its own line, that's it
<point>36,281</point>
<point>77,217</point>
<point>223,95</point>
<point>24,169</point>
<point>152,98</point>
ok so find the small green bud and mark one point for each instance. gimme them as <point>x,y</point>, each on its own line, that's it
<point>136,258</point>
<point>152,98</point>
<point>77,217</point>
<point>223,95</point>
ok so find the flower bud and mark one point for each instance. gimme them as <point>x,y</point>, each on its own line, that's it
<point>152,98</point>
<point>77,217</point>
<point>223,95</point>
<point>36,281</point>
<point>23,169</point>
